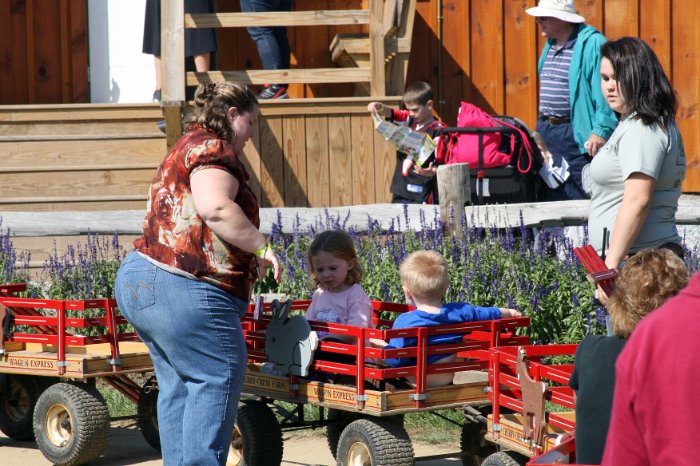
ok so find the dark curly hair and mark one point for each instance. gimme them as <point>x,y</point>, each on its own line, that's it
<point>648,279</point>
<point>212,102</point>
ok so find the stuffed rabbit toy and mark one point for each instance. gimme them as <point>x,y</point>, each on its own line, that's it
<point>289,341</point>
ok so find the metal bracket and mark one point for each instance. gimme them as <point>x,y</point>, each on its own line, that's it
<point>62,363</point>
<point>293,386</point>
<point>419,396</point>
<point>114,362</point>
<point>361,397</point>
<point>496,427</point>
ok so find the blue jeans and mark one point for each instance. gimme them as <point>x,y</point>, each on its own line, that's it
<point>272,42</point>
<point>193,332</point>
<point>561,142</point>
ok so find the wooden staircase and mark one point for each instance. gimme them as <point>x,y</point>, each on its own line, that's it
<point>352,50</point>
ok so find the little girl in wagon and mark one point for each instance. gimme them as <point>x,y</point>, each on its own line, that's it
<point>337,273</point>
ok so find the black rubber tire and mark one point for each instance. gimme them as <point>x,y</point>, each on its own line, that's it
<point>340,420</point>
<point>504,458</point>
<point>147,410</point>
<point>473,446</point>
<point>17,407</point>
<point>71,423</point>
<point>378,442</point>
<point>257,438</point>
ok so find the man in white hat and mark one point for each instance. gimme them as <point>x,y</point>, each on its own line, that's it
<point>574,118</point>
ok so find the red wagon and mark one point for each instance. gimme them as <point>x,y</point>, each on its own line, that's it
<point>365,422</point>
<point>49,362</point>
<point>532,405</point>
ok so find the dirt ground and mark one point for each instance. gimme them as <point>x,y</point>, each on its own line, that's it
<point>127,447</point>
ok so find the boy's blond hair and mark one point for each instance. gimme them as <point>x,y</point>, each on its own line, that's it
<point>424,275</point>
<point>648,279</point>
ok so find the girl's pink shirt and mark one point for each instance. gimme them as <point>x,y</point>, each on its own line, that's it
<point>349,307</point>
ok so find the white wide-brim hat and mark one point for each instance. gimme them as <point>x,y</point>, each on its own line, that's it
<point>560,9</point>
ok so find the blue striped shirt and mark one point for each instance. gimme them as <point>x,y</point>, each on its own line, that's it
<point>554,80</point>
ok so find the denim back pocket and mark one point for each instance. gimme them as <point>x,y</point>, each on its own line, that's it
<point>136,286</point>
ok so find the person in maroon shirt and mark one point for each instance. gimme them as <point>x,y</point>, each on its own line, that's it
<point>655,404</point>
<point>188,282</point>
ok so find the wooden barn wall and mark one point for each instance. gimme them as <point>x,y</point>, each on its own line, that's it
<point>43,52</point>
<point>485,51</point>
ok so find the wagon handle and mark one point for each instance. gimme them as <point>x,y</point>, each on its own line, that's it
<point>533,402</point>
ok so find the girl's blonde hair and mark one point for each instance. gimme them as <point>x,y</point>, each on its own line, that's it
<point>425,275</point>
<point>648,279</point>
<point>338,243</point>
<point>212,102</point>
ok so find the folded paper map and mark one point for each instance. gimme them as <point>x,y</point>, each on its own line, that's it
<point>416,145</point>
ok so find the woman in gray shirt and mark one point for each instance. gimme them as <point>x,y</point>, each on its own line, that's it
<point>637,175</point>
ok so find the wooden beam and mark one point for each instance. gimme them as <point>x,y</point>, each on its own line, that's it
<point>287,18</point>
<point>323,106</point>
<point>172,52</point>
<point>454,192</point>
<point>309,75</point>
<point>173,123</point>
<point>376,54</point>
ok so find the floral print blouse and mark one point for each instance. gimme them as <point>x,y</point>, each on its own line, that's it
<point>174,233</point>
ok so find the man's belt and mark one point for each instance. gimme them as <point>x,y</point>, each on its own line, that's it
<point>555,120</point>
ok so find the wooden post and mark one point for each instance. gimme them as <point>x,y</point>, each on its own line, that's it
<point>376,50</point>
<point>454,192</point>
<point>172,67</point>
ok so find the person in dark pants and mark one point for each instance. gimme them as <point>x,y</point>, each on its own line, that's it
<point>574,120</point>
<point>272,43</point>
<point>199,43</point>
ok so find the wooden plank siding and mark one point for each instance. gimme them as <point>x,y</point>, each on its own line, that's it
<point>43,52</point>
<point>484,51</point>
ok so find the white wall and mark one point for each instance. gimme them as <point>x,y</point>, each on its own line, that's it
<point>119,72</point>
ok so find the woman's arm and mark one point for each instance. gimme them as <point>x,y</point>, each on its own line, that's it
<point>632,214</point>
<point>213,192</point>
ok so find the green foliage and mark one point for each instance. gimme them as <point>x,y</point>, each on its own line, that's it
<point>117,403</point>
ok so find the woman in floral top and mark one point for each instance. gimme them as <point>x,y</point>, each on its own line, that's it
<point>188,281</point>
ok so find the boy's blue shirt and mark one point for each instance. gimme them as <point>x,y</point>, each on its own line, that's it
<point>451,313</point>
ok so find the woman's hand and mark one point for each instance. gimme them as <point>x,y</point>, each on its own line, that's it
<point>594,144</point>
<point>269,259</point>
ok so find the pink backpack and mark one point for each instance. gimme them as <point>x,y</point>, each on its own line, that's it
<point>464,147</point>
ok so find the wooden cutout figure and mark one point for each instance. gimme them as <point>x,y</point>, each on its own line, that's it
<point>289,341</point>
<point>533,402</point>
